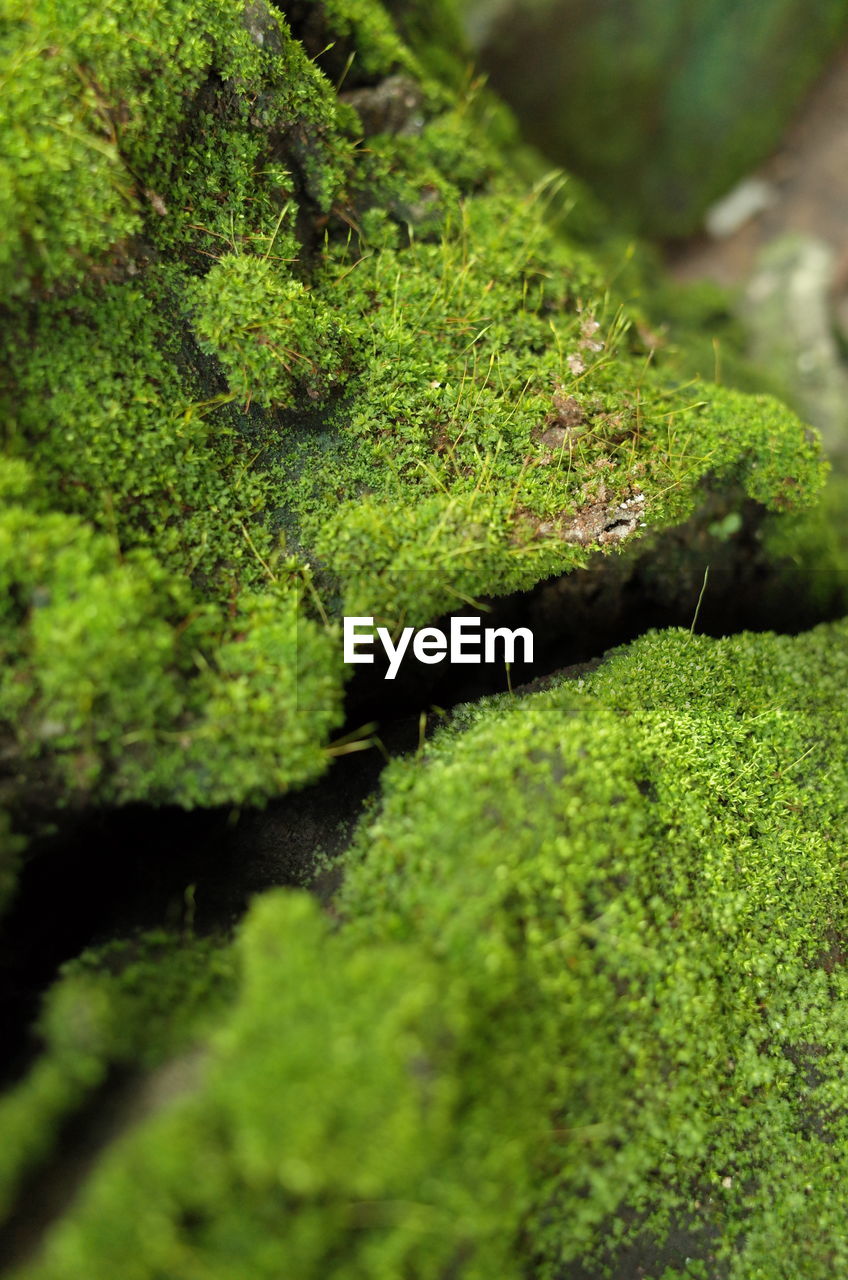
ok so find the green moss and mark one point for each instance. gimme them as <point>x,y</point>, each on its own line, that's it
<point>114,129</point>
<point>249,343</point>
<point>506,412</point>
<point>589,985</point>
<point>123,1007</point>
<point>655,861</point>
<point>328,1179</point>
<point>120,683</point>
<point>810,553</point>
<point>364,28</point>
<point>261,368</point>
<point>276,342</point>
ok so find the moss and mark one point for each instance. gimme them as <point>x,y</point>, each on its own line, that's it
<point>654,860</point>
<point>351,40</point>
<point>434,31</point>
<point>114,130</point>
<point>276,342</point>
<point>270,355</point>
<point>122,1007</point>
<point>278,328</point>
<point>589,984</point>
<point>810,551</point>
<point>328,1179</point>
<point>120,683</point>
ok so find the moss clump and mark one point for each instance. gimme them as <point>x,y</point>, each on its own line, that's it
<point>329,1135</point>
<point>112,130</point>
<point>117,1010</point>
<point>510,420</point>
<point>589,986</point>
<point>117,684</point>
<point>654,863</point>
<point>275,340</point>
<point>294,315</point>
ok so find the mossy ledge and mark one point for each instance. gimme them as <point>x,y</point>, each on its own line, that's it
<point>588,985</point>
<point>284,334</point>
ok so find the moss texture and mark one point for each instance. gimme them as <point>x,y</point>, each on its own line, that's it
<point>285,335</point>
<point>284,317</point>
<point>589,986</point>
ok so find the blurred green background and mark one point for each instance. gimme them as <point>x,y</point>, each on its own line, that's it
<point>659,105</point>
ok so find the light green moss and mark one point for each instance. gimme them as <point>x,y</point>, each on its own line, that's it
<point>333,1132</point>
<point>589,984</point>
<point>253,344</point>
<point>112,131</point>
<point>123,1007</point>
<point>655,860</point>
<point>812,547</point>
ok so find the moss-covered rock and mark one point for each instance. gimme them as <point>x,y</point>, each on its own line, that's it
<point>291,338</point>
<point>589,985</point>
<point>285,320</point>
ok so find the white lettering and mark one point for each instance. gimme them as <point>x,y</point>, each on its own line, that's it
<point>352,638</point>
<point>430,645</point>
<point>395,654</point>
<point>459,636</point>
<point>509,638</point>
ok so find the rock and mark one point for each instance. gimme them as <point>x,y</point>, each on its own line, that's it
<point>787,308</point>
<point>745,201</point>
<point>569,918</point>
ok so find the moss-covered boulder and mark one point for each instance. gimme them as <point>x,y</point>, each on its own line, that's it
<point>587,997</point>
<point>287,334</point>
<point>243,339</point>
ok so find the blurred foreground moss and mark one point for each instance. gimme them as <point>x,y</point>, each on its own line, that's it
<point>589,985</point>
